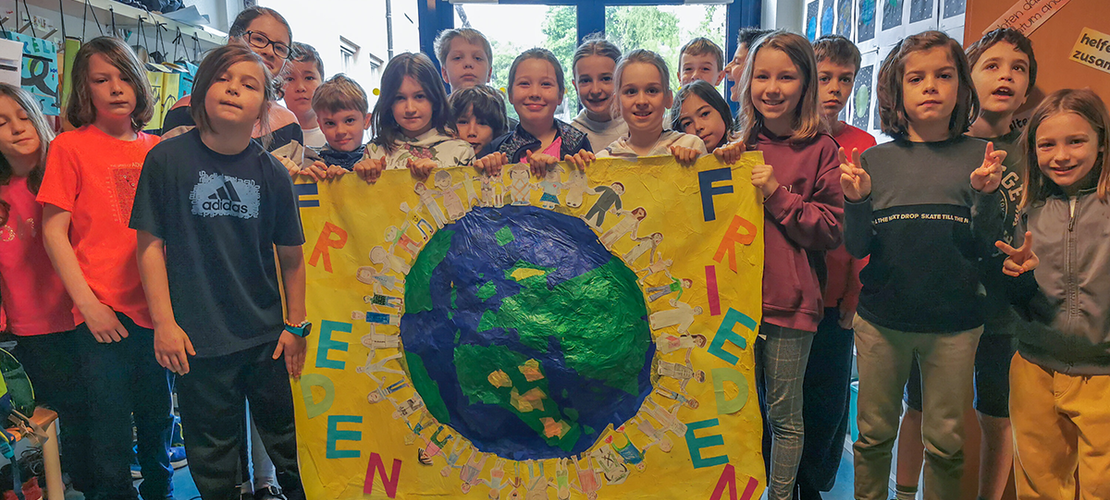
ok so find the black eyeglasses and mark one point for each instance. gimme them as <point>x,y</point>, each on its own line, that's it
<point>261,41</point>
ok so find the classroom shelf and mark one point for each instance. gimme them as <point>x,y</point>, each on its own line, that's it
<point>127,17</point>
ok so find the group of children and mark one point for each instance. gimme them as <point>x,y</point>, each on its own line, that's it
<point>157,259</point>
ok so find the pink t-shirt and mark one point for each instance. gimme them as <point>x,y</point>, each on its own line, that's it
<point>553,149</point>
<point>34,299</point>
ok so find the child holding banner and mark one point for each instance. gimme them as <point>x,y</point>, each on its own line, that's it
<point>828,374</point>
<point>410,123</point>
<point>644,88</point>
<point>910,207</point>
<point>210,208</point>
<point>803,210</point>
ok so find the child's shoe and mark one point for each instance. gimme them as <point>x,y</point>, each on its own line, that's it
<point>269,493</point>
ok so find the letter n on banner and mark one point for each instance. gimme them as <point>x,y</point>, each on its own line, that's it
<point>375,467</point>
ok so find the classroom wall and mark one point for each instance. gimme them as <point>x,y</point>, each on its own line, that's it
<point>1053,43</point>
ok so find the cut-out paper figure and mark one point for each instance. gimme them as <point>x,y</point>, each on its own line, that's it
<point>428,199</point>
<point>588,481</point>
<point>399,240</point>
<point>451,200</point>
<point>679,399</point>
<point>407,408</point>
<point>516,483</point>
<point>537,485</point>
<point>497,480</point>
<point>424,422</point>
<point>668,343</point>
<point>371,367</point>
<point>391,262</point>
<point>377,318</point>
<point>668,419</point>
<point>519,185</point>
<point>492,194</point>
<point>371,276</point>
<point>682,373</point>
<point>681,316</point>
<point>414,219</point>
<point>610,464</point>
<point>384,300</point>
<point>551,185</point>
<point>434,446</point>
<point>657,265</point>
<point>626,449</point>
<point>470,471</point>
<point>658,436</point>
<point>647,245</point>
<point>676,285</point>
<point>381,393</point>
<point>471,195</point>
<point>562,479</point>
<point>609,201</point>
<point>576,187</point>
<point>627,224</point>
<point>457,449</point>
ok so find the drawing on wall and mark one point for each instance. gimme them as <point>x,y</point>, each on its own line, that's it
<point>892,14</point>
<point>811,21</point>
<point>953,8</point>
<point>865,26</point>
<point>861,97</point>
<point>844,18</point>
<point>827,20</point>
<point>920,10</point>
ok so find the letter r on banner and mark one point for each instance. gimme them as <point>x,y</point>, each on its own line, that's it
<point>734,237</point>
<point>324,242</point>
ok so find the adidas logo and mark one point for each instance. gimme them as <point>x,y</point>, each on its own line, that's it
<point>225,199</point>
<point>217,195</point>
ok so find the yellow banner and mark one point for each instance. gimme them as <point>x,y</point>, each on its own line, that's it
<point>585,335</point>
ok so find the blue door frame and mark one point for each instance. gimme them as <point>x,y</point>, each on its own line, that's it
<point>438,15</point>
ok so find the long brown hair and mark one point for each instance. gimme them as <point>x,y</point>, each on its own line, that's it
<point>417,65</point>
<point>1085,103</point>
<point>807,120</point>
<point>80,110</point>
<point>212,67</point>
<point>45,133</point>
<point>892,106</point>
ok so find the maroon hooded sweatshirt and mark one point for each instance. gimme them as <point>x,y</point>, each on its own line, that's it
<point>803,219</point>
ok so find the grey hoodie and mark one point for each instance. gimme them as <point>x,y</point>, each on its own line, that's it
<point>1068,309</point>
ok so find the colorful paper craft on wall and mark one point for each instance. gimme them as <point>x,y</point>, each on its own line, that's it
<point>40,70</point>
<point>584,335</point>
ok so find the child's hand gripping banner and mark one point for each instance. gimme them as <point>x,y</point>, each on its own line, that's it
<point>584,335</point>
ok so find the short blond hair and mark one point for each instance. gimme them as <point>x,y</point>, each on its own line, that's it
<point>340,93</point>
<point>442,42</point>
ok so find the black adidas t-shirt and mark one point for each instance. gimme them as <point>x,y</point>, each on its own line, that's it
<point>220,217</point>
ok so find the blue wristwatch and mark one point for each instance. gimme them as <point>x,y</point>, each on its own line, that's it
<point>302,330</point>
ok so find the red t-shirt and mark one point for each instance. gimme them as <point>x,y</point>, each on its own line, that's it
<point>843,285</point>
<point>34,300</point>
<point>93,176</point>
